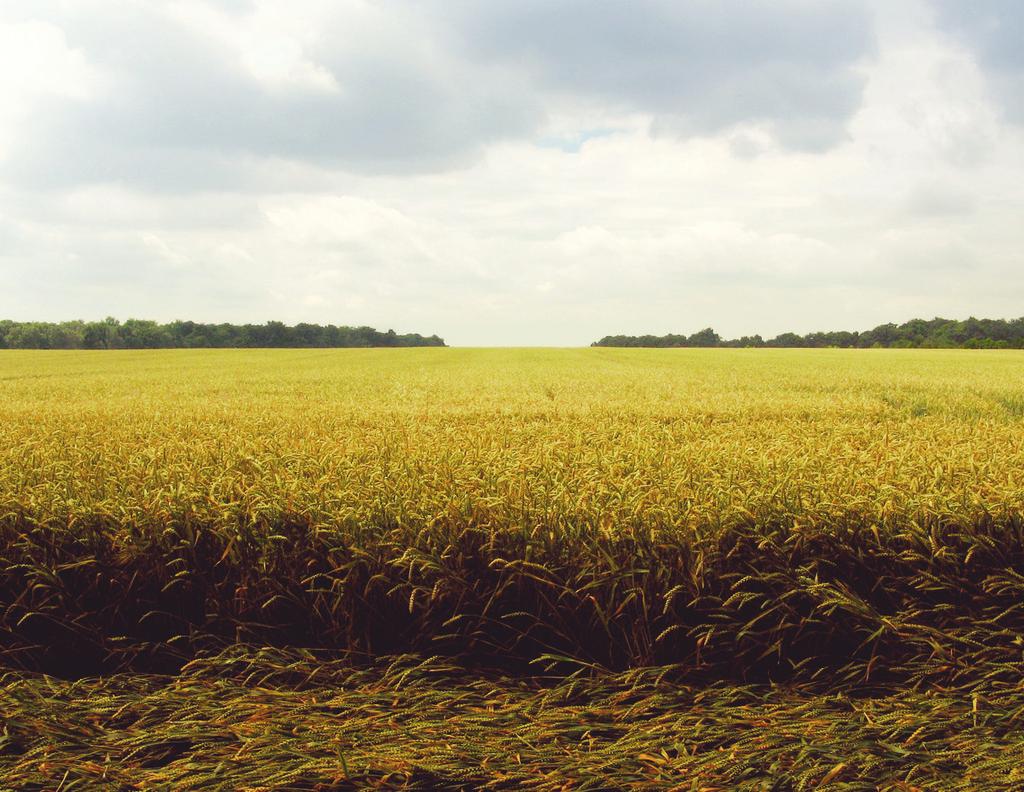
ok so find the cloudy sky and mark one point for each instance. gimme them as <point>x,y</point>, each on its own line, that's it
<point>513,171</point>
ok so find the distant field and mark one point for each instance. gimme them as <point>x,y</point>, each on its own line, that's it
<point>774,531</point>
<point>586,439</point>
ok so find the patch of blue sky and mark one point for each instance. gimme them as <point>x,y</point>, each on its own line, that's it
<point>571,144</point>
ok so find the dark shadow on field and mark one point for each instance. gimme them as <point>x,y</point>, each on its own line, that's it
<point>752,603</point>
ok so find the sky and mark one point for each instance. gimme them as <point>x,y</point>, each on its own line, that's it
<point>513,172</point>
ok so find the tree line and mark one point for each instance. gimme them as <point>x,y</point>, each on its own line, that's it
<point>146,334</point>
<point>935,333</point>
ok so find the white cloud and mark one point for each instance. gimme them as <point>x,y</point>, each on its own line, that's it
<point>36,64</point>
<point>272,43</point>
<point>992,30</point>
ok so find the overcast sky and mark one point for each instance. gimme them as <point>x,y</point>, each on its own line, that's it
<point>513,171</point>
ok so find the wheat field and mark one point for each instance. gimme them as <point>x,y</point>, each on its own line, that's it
<point>522,568</point>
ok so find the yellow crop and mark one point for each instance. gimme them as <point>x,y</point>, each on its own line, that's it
<point>602,439</point>
<point>512,569</point>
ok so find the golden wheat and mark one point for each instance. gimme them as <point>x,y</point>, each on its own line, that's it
<point>844,522</point>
